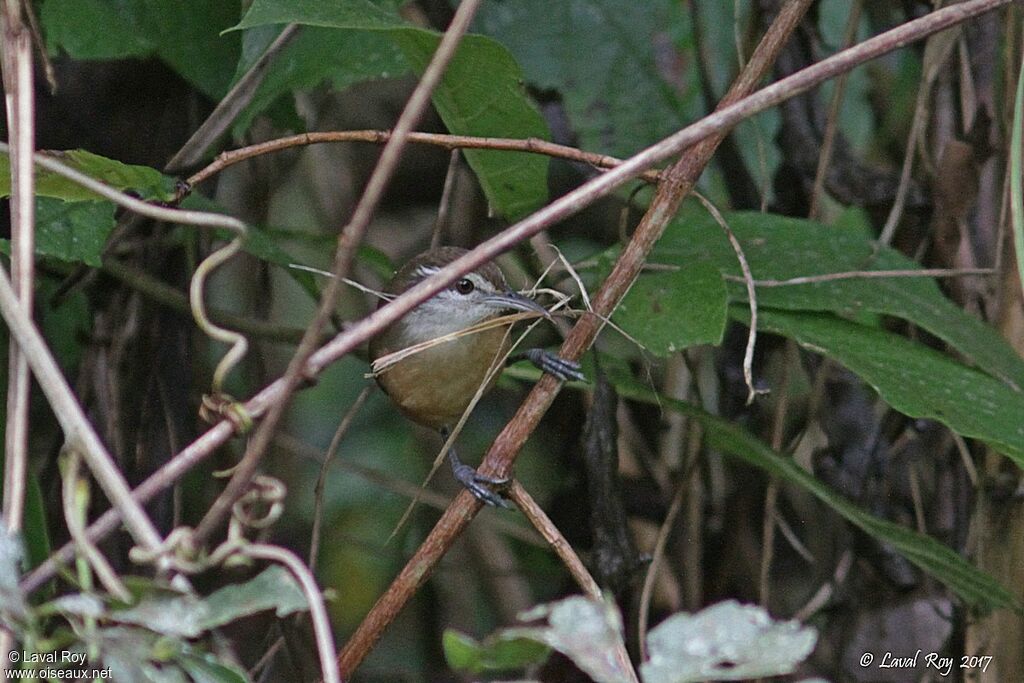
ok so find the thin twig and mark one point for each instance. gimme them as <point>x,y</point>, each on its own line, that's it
<point>445,141</point>
<point>772,492</point>
<point>832,123</point>
<point>321,479</point>
<point>231,105</point>
<point>317,612</point>
<point>18,87</point>
<point>657,555</point>
<point>867,274</point>
<point>937,51</point>
<point>748,279</point>
<point>444,206</point>
<point>569,558</point>
<point>543,524</point>
<point>824,593</point>
<point>75,517</point>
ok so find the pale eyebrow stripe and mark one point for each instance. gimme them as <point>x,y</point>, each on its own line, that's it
<point>426,271</point>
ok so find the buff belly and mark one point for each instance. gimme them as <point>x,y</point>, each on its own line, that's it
<point>434,387</point>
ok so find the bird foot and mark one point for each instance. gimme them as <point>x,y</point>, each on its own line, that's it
<point>481,486</point>
<point>551,363</point>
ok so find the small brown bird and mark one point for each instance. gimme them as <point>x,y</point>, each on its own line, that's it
<point>435,386</point>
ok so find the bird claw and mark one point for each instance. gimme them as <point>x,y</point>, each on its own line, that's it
<point>480,485</point>
<point>553,364</point>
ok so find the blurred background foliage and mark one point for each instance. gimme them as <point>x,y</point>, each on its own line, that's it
<point>868,494</point>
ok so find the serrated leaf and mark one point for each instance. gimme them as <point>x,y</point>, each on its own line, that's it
<point>481,93</point>
<point>976,588</point>
<point>670,311</point>
<point>495,653</point>
<point>143,181</point>
<point>724,642</point>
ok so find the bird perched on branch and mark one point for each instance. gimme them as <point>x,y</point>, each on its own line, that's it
<point>434,385</point>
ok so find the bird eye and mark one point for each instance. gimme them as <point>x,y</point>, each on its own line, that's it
<point>464,286</point>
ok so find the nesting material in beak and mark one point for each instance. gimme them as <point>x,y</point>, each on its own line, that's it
<point>517,302</point>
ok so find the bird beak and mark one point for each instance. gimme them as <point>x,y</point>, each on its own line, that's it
<point>518,302</point>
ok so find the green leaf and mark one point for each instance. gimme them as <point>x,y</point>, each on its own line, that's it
<point>608,60</point>
<point>975,587</point>
<point>724,642</point>
<point>779,248</point>
<point>316,55</point>
<point>496,653</point>
<point>481,93</point>
<point>273,588</point>
<point>143,181</point>
<point>670,311</point>
<point>262,246</point>
<point>912,378</point>
<point>204,668</point>
<point>172,615</point>
<point>584,630</point>
<point>186,34</point>
<point>330,13</point>
<point>134,654</point>
<point>187,616</point>
<point>73,231</point>
<point>74,26</point>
